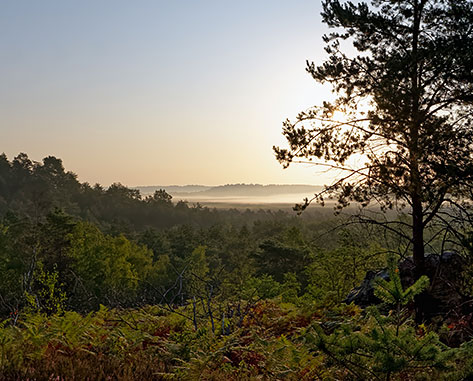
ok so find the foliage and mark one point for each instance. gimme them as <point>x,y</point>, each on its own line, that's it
<point>386,346</point>
<point>118,299</point>
<point>339,270</point>
<point>378,350</point>
<point>33,189</point>
<point>405,103</point>
<point>48,296</point>
<point>109,268</point>
<point>276,341</point>
<point>391,292</point>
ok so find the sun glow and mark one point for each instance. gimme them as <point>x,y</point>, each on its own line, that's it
<point>339,117</point>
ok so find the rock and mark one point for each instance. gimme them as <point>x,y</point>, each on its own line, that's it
<point>363,295</point>
<point>441,298</point>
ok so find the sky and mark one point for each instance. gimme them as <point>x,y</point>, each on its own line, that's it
<point>152,92</point>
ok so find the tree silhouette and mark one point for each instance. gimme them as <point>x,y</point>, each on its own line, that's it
<point>406,98</point>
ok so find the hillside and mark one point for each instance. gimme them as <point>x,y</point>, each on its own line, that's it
<point>172,189</point>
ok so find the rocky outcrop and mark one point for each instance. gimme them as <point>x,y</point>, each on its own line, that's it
<point>363,295</point>
<point>441,298</point>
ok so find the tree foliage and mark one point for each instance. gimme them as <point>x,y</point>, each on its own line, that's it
<point>33,189</point>
<point>405,100</point>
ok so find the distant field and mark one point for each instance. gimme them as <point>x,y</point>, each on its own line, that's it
<point>272,203</point>
<point>252,196</point>
<point>243,205</point>
<point>281,199</point>
<point>241,196</point>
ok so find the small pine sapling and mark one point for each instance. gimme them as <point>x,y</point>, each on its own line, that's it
<point>383,347</point>
<point>392,293</point>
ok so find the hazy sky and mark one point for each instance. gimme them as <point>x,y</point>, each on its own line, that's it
<point>158,92</point>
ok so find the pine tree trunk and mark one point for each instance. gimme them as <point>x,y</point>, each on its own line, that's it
<point>416,188</point>
<point>418,235</point>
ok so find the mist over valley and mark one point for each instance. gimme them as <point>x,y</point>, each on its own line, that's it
<point>238,195</point>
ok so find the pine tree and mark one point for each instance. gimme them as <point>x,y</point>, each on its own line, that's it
<point>406,100</point>
<point>392,293</point>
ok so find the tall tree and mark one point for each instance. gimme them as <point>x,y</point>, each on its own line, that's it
<point>406,97</point>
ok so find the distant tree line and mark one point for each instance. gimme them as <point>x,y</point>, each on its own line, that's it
<point>34,188</point>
